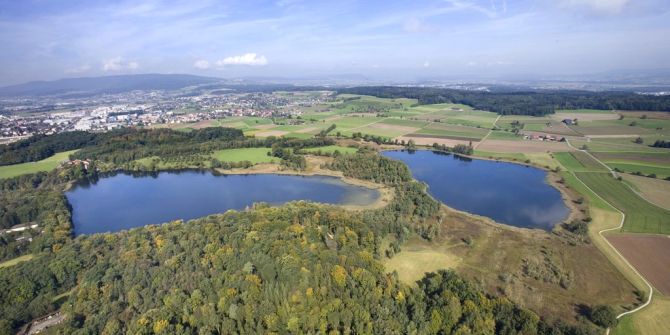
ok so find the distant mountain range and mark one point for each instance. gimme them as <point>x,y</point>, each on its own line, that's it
<point>106,84</point>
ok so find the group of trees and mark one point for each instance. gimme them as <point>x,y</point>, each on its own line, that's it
<point>370,166</point>
<point>531,102</point>
<point>269,270</point>
<point>42,146</point>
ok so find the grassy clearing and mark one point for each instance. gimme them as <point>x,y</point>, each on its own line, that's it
<point>332,148</point>
<point>418,257</point>
<point>501,155</point>
<point>543,159</point>
<point>16,260</point>
<point>495,256</point>
<point>641,216</point>
<point>254,155</point>
<point>46,164</point>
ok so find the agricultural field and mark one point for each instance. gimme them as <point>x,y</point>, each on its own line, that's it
<point>579,161</point>
<point>504,135</point>
<point>643,114</point>
<point>253,155</point>
<point>656,191</point>
<point>632,162</point>
<point>512,146</point>
<point>439,130</point>
<point>618,144</point>
<point>649,254</point>
<point>46,164</point>
<point>641,216</point>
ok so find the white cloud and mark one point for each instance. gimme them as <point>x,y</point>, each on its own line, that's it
<point>201,64</point>
<point>599,6</point>
<point>79,69</point>
<point>426,64</point>
<point>247,59</point>
<point>118,64</point>
<point>414,25</point>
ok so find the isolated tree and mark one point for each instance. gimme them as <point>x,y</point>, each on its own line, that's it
<point>603,316</point>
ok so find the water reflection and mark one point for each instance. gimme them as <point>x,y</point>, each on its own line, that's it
<point>126,200</point>
<point>509,193</point>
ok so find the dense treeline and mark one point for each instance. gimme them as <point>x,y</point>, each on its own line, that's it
<point>42,146</point>
<point>523,103</point>
<point>299,268</point>
<point>169,144</point>
<point>370,166</point>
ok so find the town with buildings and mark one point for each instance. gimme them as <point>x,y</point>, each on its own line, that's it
<point>21,118</point>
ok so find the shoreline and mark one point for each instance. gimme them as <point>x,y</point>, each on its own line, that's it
<point>386,194</point>
<point>568,200</point>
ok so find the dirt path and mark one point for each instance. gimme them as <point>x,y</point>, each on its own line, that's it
<point>48,321</point>
<point>487,134</point>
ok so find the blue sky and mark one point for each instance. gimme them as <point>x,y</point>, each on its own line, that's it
<point>44,39</point>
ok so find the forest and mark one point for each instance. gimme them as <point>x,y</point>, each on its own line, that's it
<point>534,103</point>
<point>297,268</point>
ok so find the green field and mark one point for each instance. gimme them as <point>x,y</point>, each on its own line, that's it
<point>349,122</point>
<point>404,122</point>
<point>453,131</point>
<point>46,164</point>
<point>646,169</point>
<point>253,155</point>
<point>578,161</point>
<point>513,156</point>
<point>332,148</point>
<point>641,216</point>
<point>584,111</point>
<point>504,135</point>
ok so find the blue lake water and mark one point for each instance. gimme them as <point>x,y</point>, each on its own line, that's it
<point>124,201</point>
<point>508,193</point>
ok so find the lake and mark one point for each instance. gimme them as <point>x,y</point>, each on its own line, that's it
<point>508,193</point>
<point>124,200</point>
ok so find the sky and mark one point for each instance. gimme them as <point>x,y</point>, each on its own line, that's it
<point>389,40</point>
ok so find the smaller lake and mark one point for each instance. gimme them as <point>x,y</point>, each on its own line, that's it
<point>508,193</point>
<point>125,201</point>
